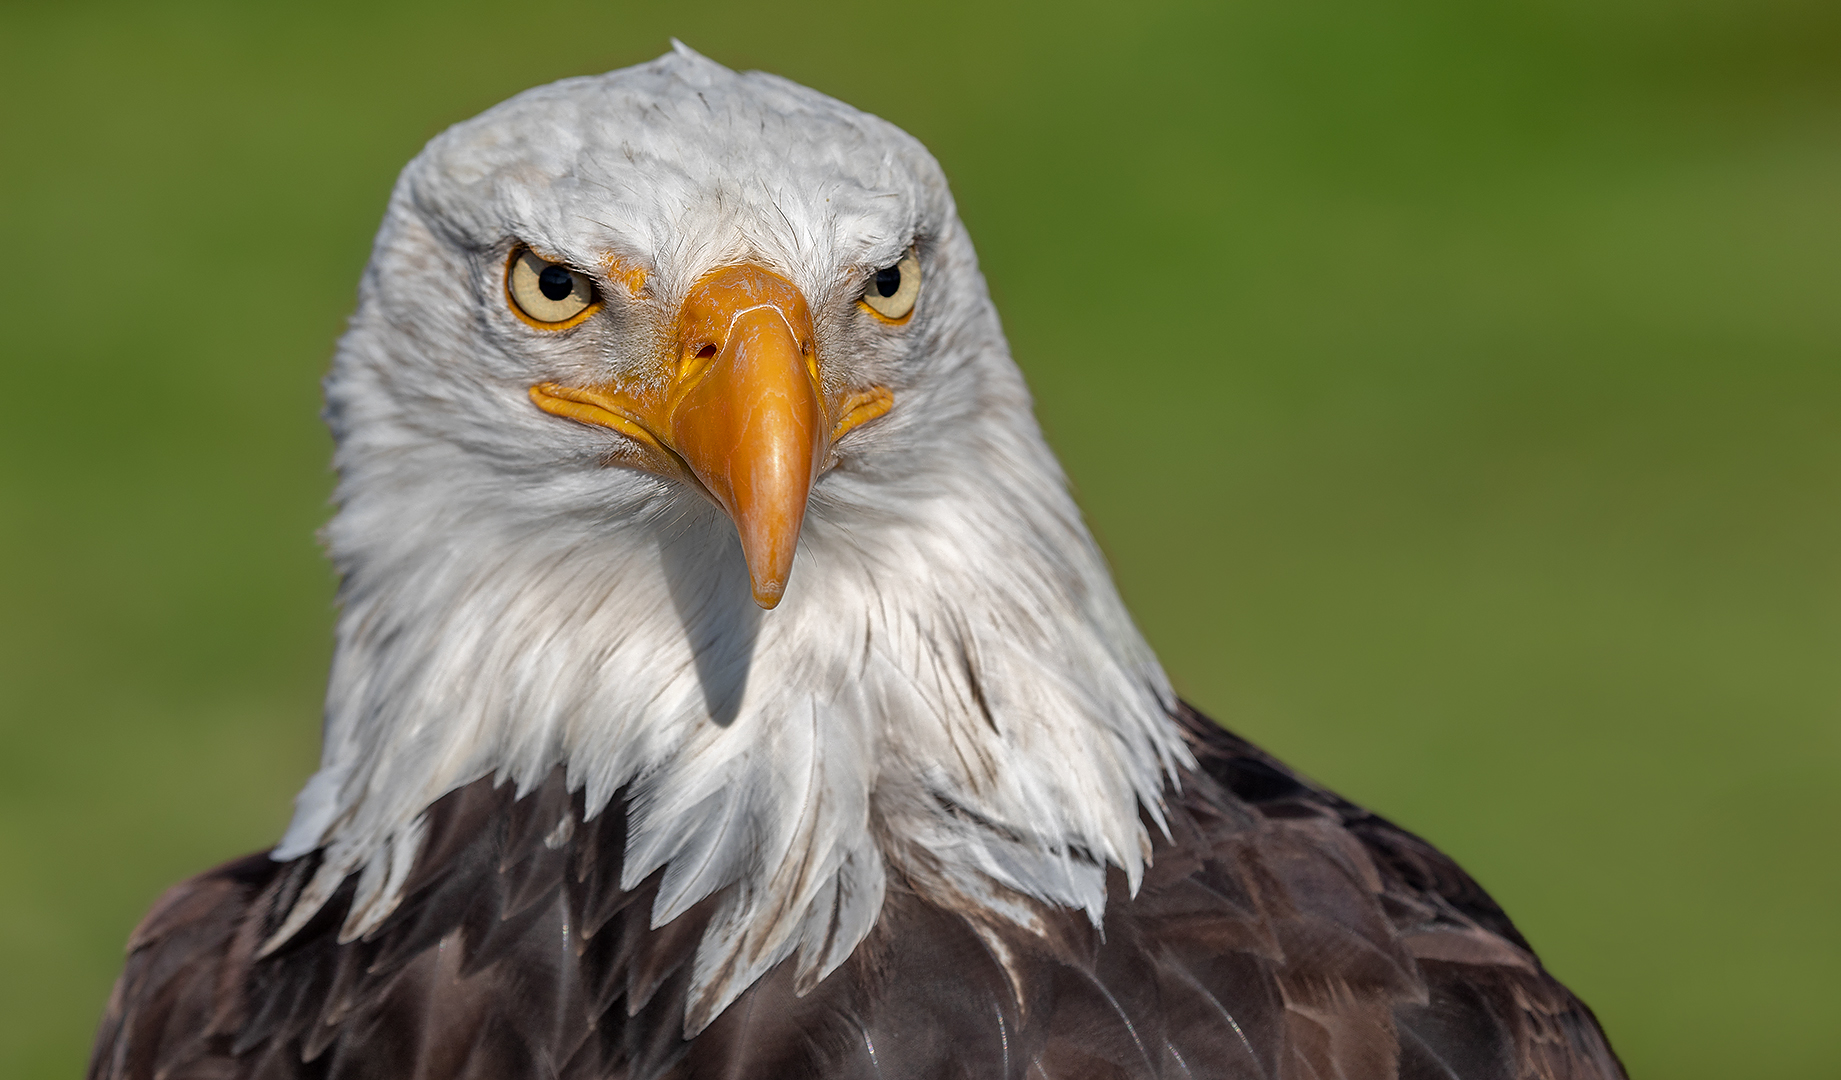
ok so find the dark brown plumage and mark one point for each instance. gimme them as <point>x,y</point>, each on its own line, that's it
<point>1282,933</point>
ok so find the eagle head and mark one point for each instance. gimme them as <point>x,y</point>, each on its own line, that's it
<point>679,447</point>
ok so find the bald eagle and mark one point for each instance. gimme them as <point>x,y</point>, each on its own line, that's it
<point>726,684</point>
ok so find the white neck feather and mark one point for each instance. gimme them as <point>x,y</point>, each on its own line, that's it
<point>958,673</point>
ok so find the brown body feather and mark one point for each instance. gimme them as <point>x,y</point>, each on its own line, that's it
<point>1281,933</point>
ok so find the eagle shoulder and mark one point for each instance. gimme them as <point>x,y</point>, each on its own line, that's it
<point>1479,1002</point>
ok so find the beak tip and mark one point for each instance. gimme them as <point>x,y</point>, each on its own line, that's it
<point>767,594</point>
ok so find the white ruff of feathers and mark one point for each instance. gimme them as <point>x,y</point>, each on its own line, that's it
<point>951,687</point>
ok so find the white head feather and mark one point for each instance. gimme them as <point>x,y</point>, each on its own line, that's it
<point>950,689</point>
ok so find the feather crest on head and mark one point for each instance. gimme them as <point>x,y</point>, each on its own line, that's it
<point>950,689</point>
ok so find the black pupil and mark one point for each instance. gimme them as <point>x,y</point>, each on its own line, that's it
<point>888,282</point>
<point>556,283</point>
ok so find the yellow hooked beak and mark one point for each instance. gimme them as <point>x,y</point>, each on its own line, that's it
<point>740,408</point>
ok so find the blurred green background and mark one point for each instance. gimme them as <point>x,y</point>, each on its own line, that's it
<point>1455,386</point>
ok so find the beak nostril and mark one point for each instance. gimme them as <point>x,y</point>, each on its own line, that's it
<point>708,352</point>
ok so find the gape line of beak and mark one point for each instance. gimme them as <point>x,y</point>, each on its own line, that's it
<point>742,411</point>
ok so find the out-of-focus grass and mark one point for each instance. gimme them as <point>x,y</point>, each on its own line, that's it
<point>1456,387</point>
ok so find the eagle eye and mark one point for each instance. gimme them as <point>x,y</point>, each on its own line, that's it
<point>549,295</point>
<point>893,290</point>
